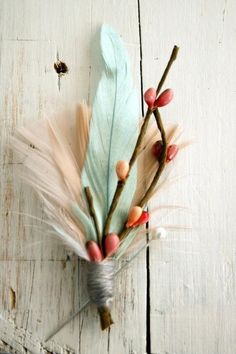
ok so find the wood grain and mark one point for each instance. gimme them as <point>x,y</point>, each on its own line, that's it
<point>193,273</point>
<point>47,281</point>
<point>190,274</point>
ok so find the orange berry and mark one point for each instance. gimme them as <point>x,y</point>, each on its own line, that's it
<point>122,169</point>
<point>144,218</point>
<point>134,214</point>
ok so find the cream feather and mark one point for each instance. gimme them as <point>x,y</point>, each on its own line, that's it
<point>53,171</point>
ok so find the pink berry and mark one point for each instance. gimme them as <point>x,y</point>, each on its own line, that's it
<point>94,251</point>
<point>164,98</point>
<point>171,152</point>
<point>112,242</point>
<point>144,218</point>
<point>157,149</point>
<point>150,96</point>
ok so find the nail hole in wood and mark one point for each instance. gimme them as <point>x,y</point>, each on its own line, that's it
<point>60,67</point>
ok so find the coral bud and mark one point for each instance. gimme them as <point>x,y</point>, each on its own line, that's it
<point>150,96</point>
<point>144,218</point>
<point>164,98</point>
<point>171,152</point>
<point>94,251</point>
<point>157,149</point>
<point>134,214</point>
<point>112,242</point>
<point>122,169</point>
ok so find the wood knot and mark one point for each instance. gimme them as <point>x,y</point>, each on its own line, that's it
<point>60,67</point>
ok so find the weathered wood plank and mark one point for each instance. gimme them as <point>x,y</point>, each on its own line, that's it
<point>193,273</point>
<point>39,280</point>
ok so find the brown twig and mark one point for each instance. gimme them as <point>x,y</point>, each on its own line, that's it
<point>92,212</point>
<point>138,146</point>
<point>160,169</point>
<point>162,161</point>
<point>173,56</point>
<point>121,184</point>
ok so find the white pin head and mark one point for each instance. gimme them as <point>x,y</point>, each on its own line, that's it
<point>161,232</point>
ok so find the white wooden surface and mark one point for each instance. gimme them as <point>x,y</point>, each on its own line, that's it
<point>192,273</point>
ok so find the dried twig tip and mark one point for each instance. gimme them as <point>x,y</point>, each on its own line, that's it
<point>174,52</point>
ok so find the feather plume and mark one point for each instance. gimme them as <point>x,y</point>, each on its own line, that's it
<point>59,166</point>
<point>73,169</point>
<point>52,170</point>
<point>113,131</point>
<point>62,161</point>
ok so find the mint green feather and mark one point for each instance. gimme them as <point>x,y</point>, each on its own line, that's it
<point>113,131</point>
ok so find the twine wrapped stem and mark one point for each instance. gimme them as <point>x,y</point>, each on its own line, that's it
<point>100,280</point>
